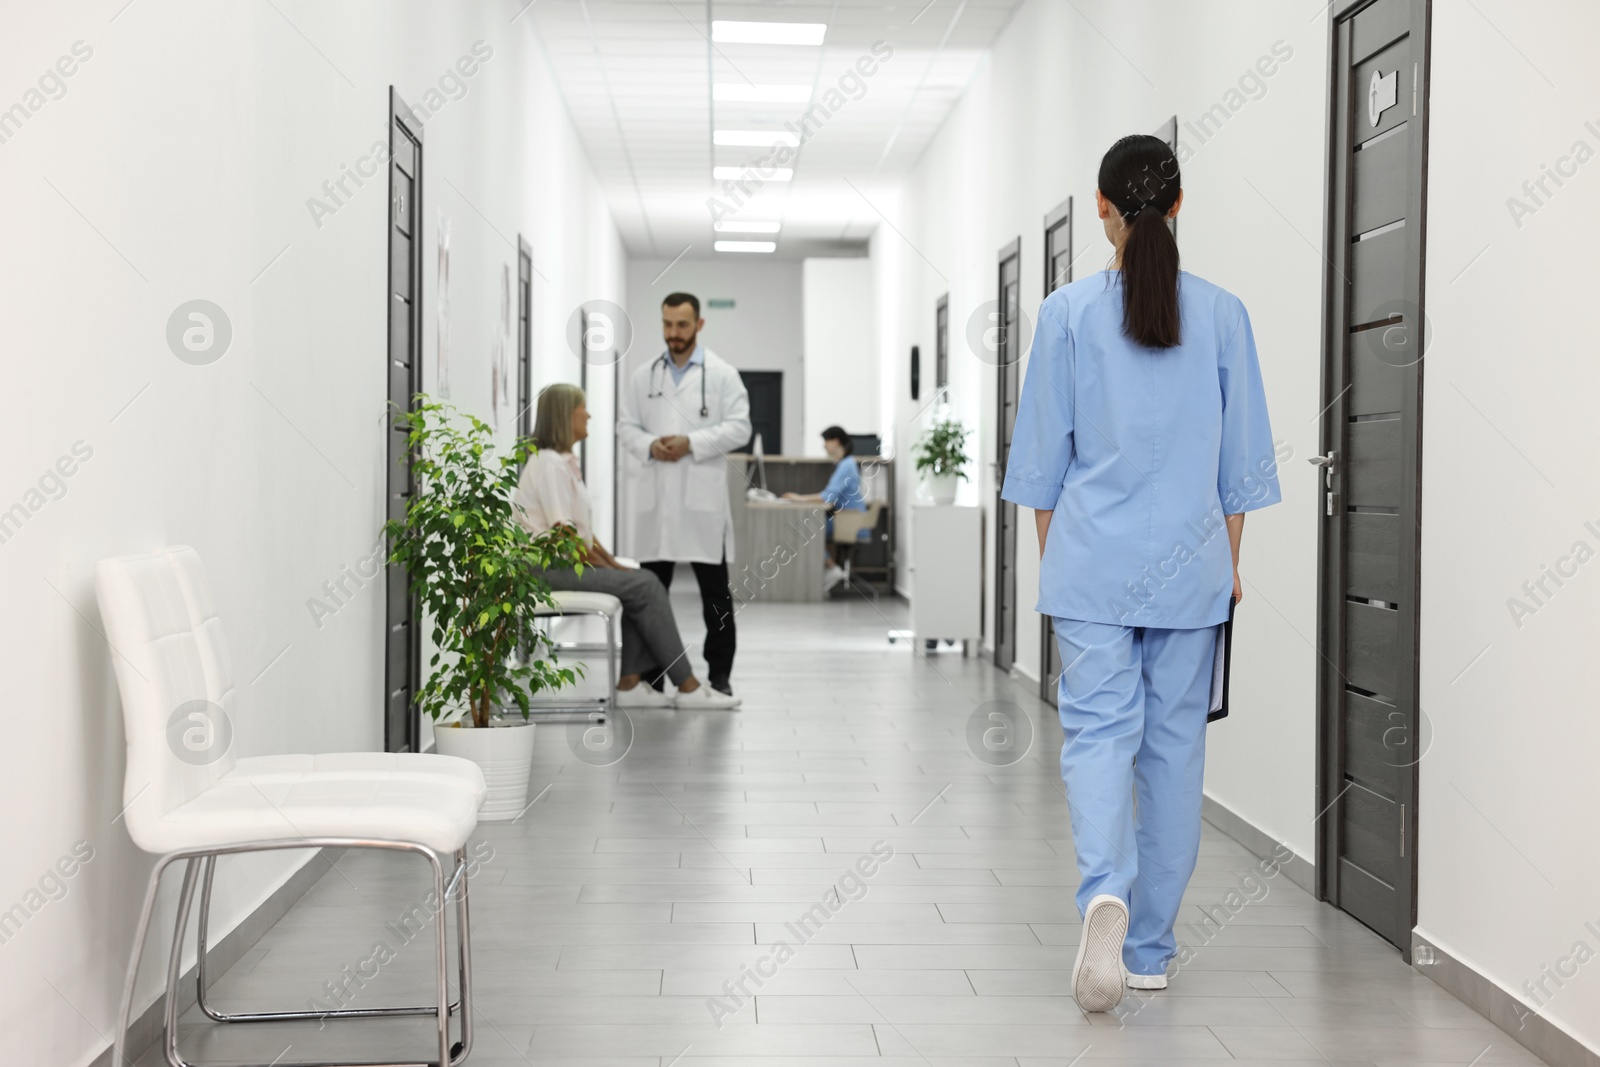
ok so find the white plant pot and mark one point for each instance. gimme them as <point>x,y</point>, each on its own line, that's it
<point>942,488</point>
<point>505,754</point>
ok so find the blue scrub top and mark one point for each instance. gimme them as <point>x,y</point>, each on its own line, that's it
<point>1140,453</point>
<point>843,491</point>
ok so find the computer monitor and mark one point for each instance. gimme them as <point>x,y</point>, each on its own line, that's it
<point>867,444</point>
<point>761,463</point>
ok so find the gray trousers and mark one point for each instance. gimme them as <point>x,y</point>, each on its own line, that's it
<point>650,637</point>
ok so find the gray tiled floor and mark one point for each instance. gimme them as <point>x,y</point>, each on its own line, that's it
<point>628,896</point>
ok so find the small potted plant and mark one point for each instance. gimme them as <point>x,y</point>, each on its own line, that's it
<point>478,574</point>
<point>942,459</point>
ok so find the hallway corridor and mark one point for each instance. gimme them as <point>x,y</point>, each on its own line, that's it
<point>611,917</point>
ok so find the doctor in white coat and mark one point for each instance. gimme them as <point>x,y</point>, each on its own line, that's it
<point>681,414</point>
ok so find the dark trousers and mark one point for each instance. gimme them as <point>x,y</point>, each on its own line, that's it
<point>716,607</point>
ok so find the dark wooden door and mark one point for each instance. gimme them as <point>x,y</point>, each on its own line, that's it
<point>1007,354</point>
<point>402,639</point>
<point>1057,272</point>
<point>1369,473</point>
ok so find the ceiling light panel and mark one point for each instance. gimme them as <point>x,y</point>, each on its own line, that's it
<point>746,246</point>
<point>779,174</point>
<point>745,93</point>
<point>754,138</point>
<point>790,33</point>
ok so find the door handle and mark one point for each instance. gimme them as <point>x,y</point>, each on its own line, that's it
<point>1329,464</point>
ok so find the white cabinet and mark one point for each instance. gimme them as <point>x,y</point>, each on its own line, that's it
<point>947,572</point>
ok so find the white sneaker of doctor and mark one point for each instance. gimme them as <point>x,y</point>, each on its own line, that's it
<point>705,699</point>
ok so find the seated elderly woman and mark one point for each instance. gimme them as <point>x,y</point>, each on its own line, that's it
<point>551,493</point>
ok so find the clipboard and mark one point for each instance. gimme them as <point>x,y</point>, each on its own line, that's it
<point>1220,667</point>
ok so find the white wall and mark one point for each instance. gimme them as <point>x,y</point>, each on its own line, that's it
<point>1509,871</point>
<point>178,165</point>
<point>1030,132</point>
<point>841,350</point>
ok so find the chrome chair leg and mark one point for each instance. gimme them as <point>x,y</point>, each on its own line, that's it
<point>140,935</point>
<point>268,1016</point>
<point>542,706</point>
<point>611,661</point>
<point>464,949</point>
<point>169,1037</point>
<point>441,943</point>
<point>204,860</point>
<point>206,879</point>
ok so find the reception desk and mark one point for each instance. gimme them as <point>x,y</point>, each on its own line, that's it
<point>780,545</point>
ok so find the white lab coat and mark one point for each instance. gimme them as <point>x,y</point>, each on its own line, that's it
<point>681,510</point>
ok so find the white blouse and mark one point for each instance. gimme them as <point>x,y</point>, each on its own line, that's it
<point>551,492</point>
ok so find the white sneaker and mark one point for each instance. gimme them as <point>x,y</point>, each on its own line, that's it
<point>1097,973</point>
<point>1146,981</point>
<point>704,699</point>
<point>831,577</point>
<point>642,696</point>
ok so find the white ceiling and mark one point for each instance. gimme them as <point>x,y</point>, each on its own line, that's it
<point>637,78</point>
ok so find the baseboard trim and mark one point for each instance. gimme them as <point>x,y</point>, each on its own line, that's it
<point>1523,1025</point>
<point>1301,871</point>
<point>1483,995</point>
<point>145,1030</point>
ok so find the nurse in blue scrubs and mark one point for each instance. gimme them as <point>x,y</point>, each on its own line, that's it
<point>1141,441</point>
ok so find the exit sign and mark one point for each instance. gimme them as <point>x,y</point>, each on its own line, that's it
<point>719,303</point>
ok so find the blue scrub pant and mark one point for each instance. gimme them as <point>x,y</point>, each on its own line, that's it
<point>1133,705</point>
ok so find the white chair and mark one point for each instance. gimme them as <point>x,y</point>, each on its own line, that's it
<point>573,606</point>
<point>191,802</point>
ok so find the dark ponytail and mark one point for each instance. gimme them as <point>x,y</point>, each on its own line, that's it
<point>1139,176</point>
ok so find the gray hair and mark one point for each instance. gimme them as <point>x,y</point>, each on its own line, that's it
<point>552,423</point>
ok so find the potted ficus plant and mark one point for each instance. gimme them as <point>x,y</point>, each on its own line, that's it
<point>478,574</point>
<point>942,459</point>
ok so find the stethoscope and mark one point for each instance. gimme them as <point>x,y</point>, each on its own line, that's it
<point>656,390</point>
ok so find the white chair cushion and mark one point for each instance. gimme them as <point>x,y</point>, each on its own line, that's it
<point>426,767</point>
<point>240,810</point>
<point>574,600</point>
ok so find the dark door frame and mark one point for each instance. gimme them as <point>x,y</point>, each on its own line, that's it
<point>1007,389</point>
<point>1168,132</point>
<point>941,345</point>
<point>616,453</point>
<point>1344,46</point>
<point>1057,232</point>
<point>402,637</point>
<point>583,382</point>
<point>524,338</point>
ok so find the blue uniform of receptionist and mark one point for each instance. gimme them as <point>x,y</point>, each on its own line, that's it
<point>1140,453</point>
<point>843,491</point>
